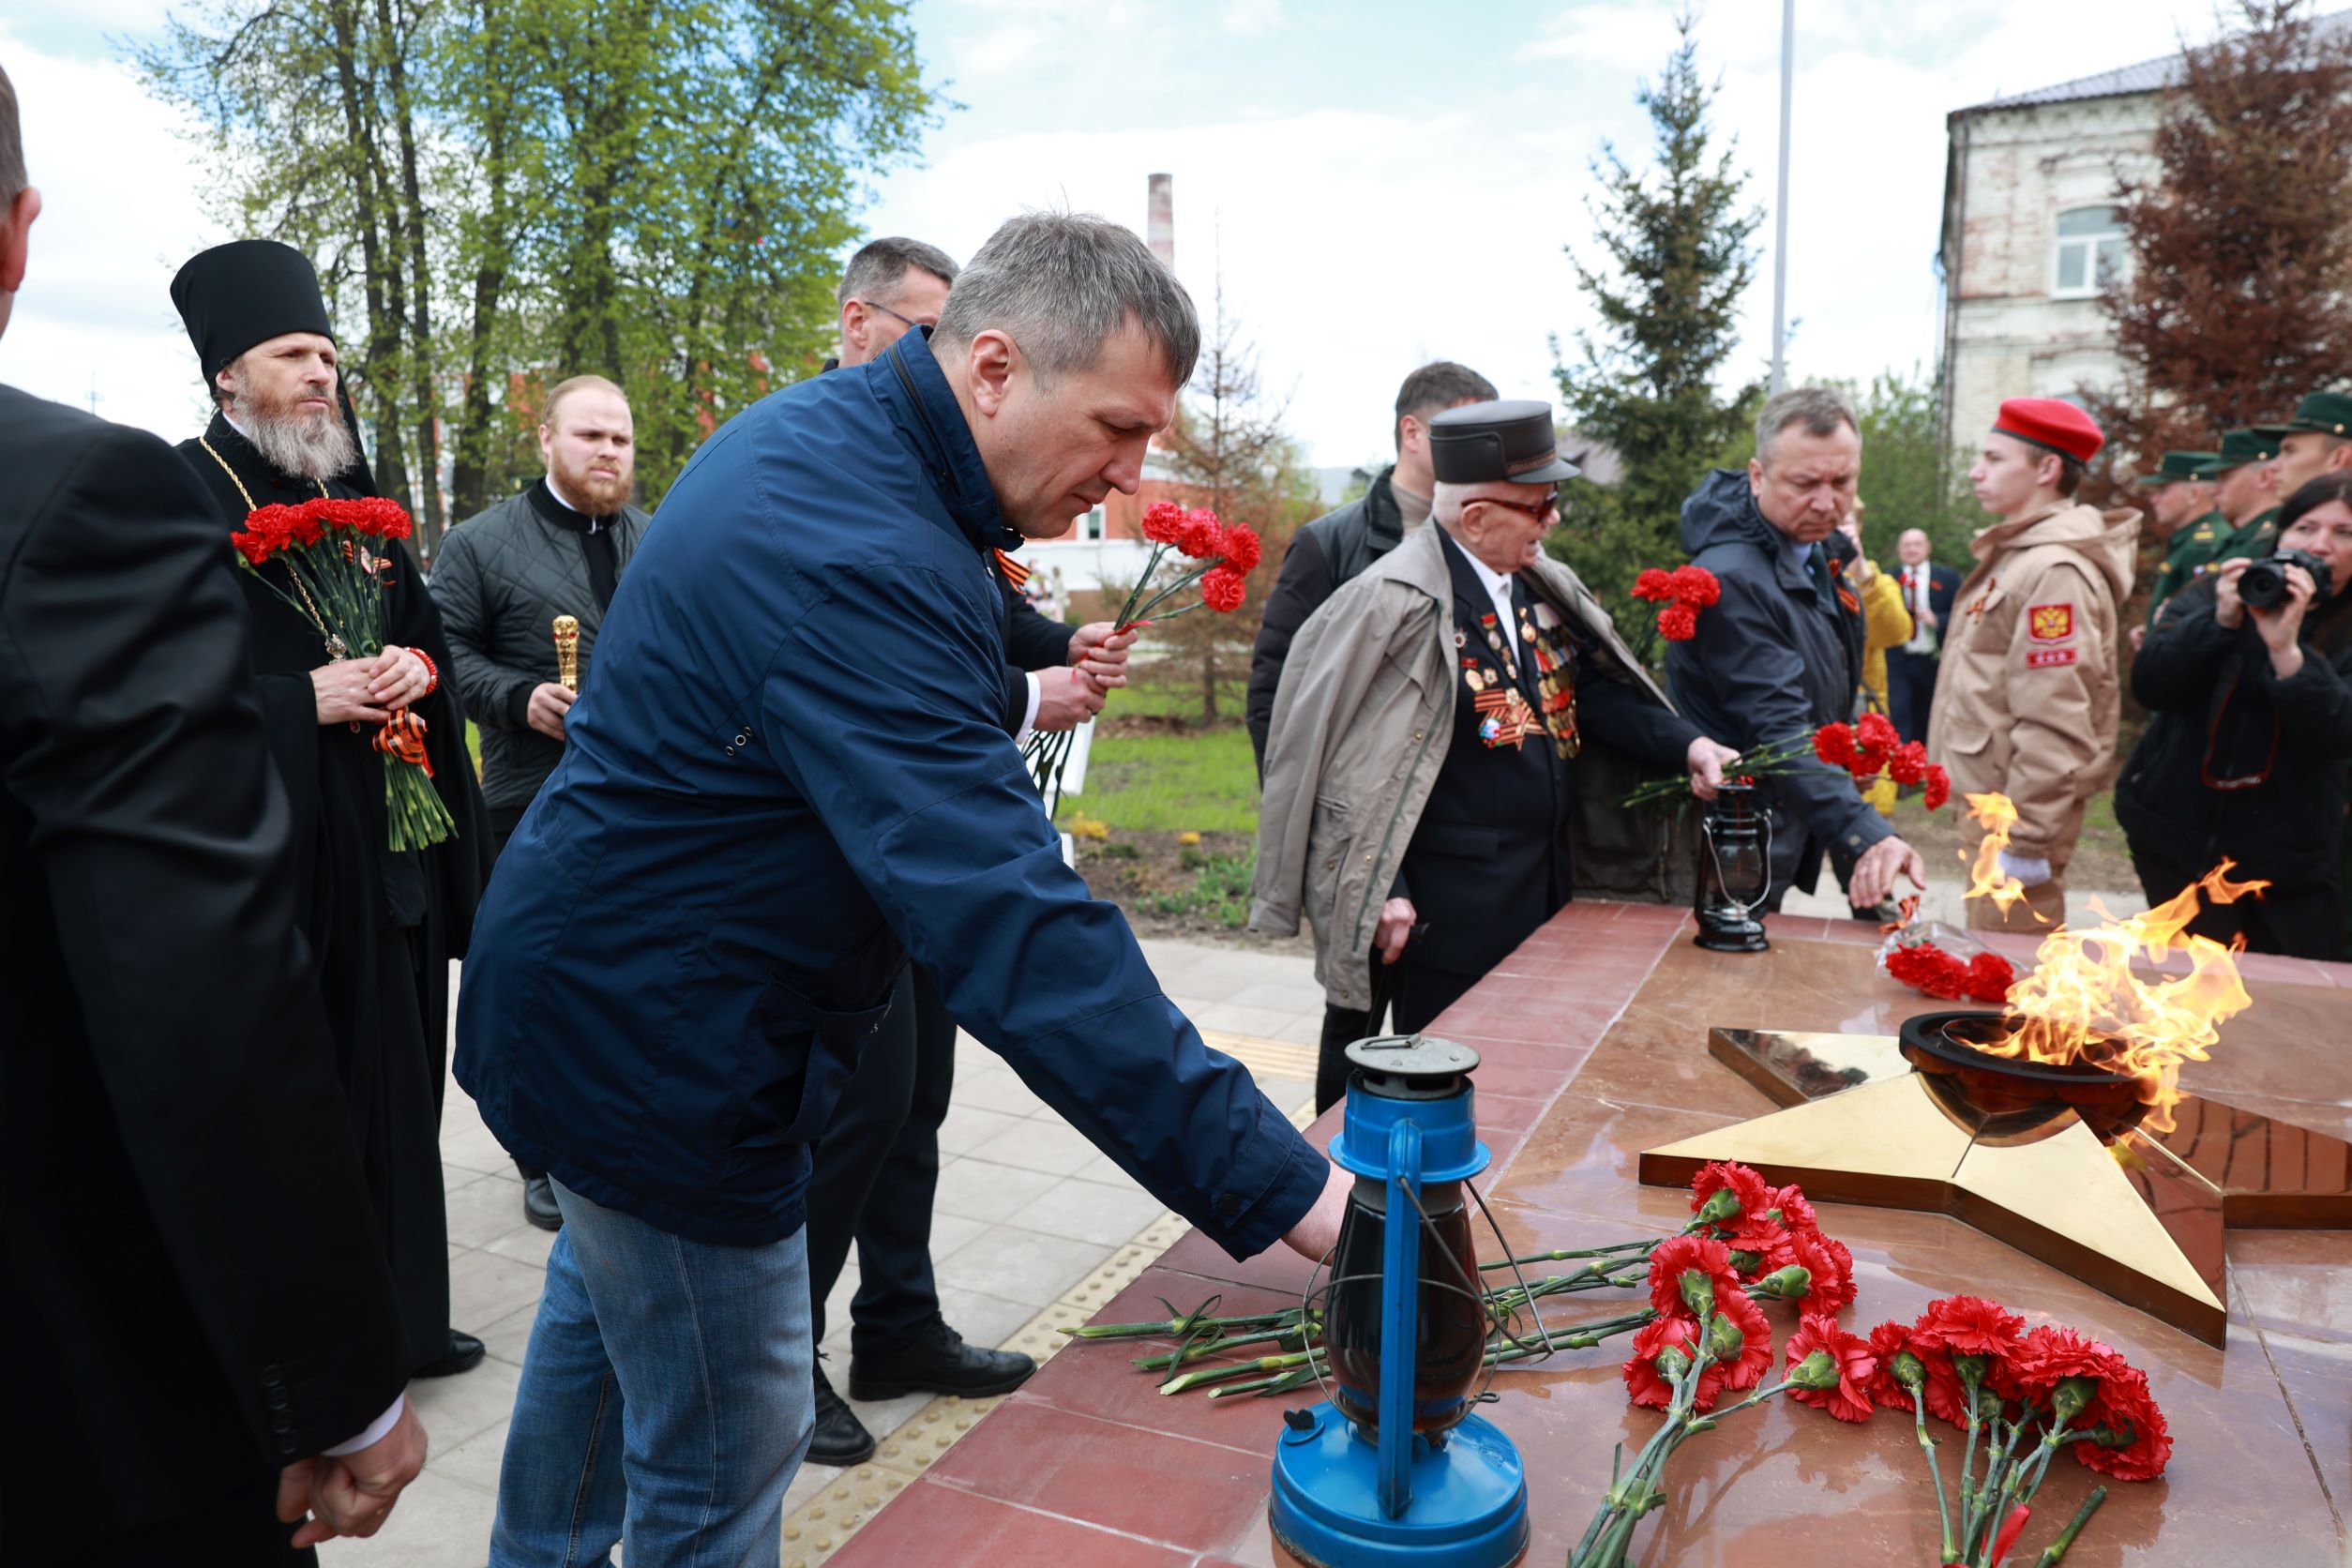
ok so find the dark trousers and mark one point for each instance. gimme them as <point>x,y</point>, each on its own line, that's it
<point>503,819</point>
<point>2300,922</point>
<point>1910,691</point>
<point>877,1173</point>
<point>1344,1026</point>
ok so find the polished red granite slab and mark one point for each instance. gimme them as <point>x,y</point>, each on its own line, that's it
<point>1592,1041</point>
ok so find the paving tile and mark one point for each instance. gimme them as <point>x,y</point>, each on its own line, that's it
<point>981,1317</point>
<point>474,1462</point>
<point>482,1210</point>
<point>964,1128</point>
<point>474,1148</point>
<point>1017,1265</point>
<point>457,1410</point>
<point>997,1089</point>
<point>525,1244</point>
<point>1089,1212</point>
<point>439,1522</point>
<point>1264,1022</point>
<point>1287,996</point>
<point>484,1287</point>
<point>507,1338</point>
<point>930,1519</point>
<point>1105,1169</point>
<point>1053,1146</point>
<point>986,1190</point>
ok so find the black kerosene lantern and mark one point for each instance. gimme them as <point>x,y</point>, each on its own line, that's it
<point>1393,1468</point>
<point>1735,870</point>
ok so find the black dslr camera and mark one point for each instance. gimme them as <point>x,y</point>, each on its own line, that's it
<point>2263,585</point>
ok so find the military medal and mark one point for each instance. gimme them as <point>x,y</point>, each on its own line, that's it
<point>1556,683</point>
<point>566,629</point>
<point>1504,717</point>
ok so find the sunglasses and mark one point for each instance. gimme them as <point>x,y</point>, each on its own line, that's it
<point>1541,510</point>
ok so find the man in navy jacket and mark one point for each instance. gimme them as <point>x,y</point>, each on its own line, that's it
<point>791,773</point>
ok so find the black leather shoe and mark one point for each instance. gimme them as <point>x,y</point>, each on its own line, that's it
<point>841,1439</point>
<point>937,1361</point>
<point>465,1355</point>
<point>538,1203</point>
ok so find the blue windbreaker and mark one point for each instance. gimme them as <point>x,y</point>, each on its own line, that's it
<point>791,770</point>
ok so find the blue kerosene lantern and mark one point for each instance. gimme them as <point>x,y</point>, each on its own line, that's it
<point>1395,1468</point>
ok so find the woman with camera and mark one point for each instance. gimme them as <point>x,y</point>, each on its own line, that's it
<point>2249,675</point>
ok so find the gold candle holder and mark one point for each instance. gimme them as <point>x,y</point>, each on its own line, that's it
<point>567,652</point>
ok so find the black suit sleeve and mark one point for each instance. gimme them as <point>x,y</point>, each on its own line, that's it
<point>1037,642</point>
<point>1630,719</point>
<point>1298,593</point>
<point>131,737</point>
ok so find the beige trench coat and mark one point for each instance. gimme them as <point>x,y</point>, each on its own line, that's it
<point>1361,725</point>
<point>2027,696</point>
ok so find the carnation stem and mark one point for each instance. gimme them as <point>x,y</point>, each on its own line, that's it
<point>1568,1255</point>
<point>1935,1468</point>
<point>2056,1549</point>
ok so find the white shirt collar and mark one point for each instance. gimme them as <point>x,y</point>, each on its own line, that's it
<point>1497,584</point>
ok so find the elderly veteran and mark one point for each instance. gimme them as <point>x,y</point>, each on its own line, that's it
<point>1452,734</point>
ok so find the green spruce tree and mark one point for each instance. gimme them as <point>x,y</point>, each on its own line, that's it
<point>1644,385</point>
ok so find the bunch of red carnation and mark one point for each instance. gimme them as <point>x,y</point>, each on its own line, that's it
<point>2020,1396</point>
<point>1748,1242</point>
<point>1929,969</point>
<point>1872,747</point>
<point>271,529</point>
<point>1679,595</point>
<point>1232,551</point>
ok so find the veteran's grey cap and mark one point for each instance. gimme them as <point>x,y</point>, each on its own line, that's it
<point>1512,440</point>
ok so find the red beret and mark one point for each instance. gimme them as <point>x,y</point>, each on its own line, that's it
<point>2052,424</point>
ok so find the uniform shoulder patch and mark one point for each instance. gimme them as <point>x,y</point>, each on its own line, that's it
<point>2038,658</point>
<point>2050,623</point>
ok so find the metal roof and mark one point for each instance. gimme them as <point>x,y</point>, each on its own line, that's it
<point>2147,76</point>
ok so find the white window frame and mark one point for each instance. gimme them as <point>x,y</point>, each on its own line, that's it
<point>1095,527</point>
<point>2090,245</point>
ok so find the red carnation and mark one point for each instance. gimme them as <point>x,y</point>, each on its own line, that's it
<point>1946,1400</point>
<point>1851,1356</point>
<point>1680,1255</point>
<point>1752,1193</point>
<point>2133,1442</point>
<point>1876,732</point>
<point>1925,966</point>
<point>1678,623</point>
<point>1908,766</point>
<point>1221,589</point>
<point>1695,586</point>
<point>1834,744</point>
<point>2051,1354</point>
<point>1755,1341</point>
<point>256,548</point>
<point>1938,786</point>
<point>1795,1210</point>
<point>1644,1386</point>
<point>1831,1267</point>
<point>1654,584</point>
<point>1163,522</point>
<point>1971,1326</point>
<point>1990,975</point>
<point>1200,537</point>
<point>1241,548</point>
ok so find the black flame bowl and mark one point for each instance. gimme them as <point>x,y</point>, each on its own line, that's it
<point>2005,1099</point>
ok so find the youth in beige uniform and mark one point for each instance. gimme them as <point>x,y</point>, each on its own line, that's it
<point>2027,699</point>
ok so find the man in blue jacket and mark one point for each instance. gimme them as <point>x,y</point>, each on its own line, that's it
<point>791,774</point>
<point>1780,655</point>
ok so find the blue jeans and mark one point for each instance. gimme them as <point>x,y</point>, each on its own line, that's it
<point>666,1399</point>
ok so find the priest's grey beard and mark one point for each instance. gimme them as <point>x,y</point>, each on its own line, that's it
<point>309,445</point>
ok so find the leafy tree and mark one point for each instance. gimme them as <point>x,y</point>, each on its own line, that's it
<point>508,192</point>
<point>1229,451</point>
<point>1676,237</point>
<point>2231,306</point>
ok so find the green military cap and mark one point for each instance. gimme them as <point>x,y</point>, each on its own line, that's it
<point>2238,448</point>
<point>2178,466</point>
<point>2329,413</point>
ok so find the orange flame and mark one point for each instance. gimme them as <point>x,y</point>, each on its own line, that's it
<point>1995,814</point>
<point>2084,1003</point>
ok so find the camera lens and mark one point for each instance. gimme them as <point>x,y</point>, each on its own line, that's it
<point>2263,585</point>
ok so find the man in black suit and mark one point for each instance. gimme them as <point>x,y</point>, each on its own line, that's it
<point>1927,593</point>
<point>196,1292</point>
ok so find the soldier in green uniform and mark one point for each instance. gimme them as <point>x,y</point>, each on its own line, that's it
<point>2316,439</point>
<point>2181,504</point>
<point>2246,490</point>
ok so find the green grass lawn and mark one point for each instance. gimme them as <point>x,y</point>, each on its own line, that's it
<point>1202,781</point>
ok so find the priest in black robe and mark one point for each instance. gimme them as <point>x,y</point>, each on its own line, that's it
<point>383,923</point>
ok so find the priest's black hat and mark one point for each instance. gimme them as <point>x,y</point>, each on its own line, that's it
<point>243,292</point>
<point>1510,440</point>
